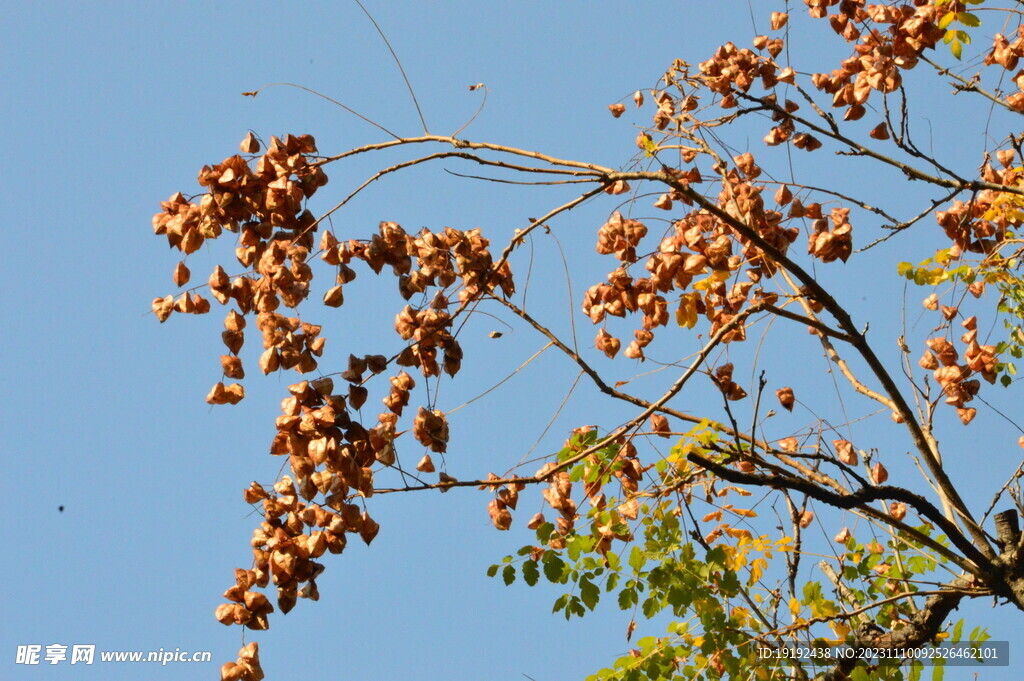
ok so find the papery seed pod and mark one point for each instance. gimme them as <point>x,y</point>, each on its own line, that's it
<point>357,395</point>
<point>788,444</point>
<point>879,132</point>
<point>162,307</point>
<point>270,361</point>
<point>878,474</point>
<point>231,365</point>
<point>786,397</point>
<point>806,518</point>
<point>181,274</point>
<point>845,452</point>
<point>233,340</point>
<point>843,536</point>
<point>234,322</point>
<point>898,510</point>
<point>386,455</point>
<point>501,517</point>
<point>783,196</point>
<point>446,480</point>
<point>536,521</point>
<point>200,305</point>
<point>234,393</point>
<point>617,109</point>
<point>659,425</point>
<point>928,361</point>
<point>607,343</point>
<point>617,187</point>
<point>426,464</point>
<point>368,528</point>
<point>250,145</point>
<point>286,598</point>
<point>216,394</point>
<point>334,297</point>
<point>232,671</point>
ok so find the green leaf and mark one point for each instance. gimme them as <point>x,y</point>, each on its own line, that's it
<point>627,599</point>
<point>553,567</point>
<point>946,20</point>
<point>590,593</point>
<point>958,630</point>
<point>651,607</point>
<point>509,574</point>
<point>573,547</point>
<point>560,602</point>
<point>493,570</point>
<point>613,580</point>
<point>957,48</point>
<point>968,19</point>
<point>637,559</point>
<point>530,572</point>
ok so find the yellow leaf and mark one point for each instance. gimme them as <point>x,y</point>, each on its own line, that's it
<point>840,629</point>
<point>686,314</point>
<point>717,277</point>
<point>757,567</point>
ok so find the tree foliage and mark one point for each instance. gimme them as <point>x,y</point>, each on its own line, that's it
<point>706,536</point>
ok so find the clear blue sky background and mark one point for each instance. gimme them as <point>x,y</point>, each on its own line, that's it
<point>108,108</point>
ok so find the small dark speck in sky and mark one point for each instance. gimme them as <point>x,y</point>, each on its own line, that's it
<point>60,508</point>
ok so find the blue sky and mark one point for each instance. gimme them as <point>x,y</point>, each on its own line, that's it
<point>111,107</point>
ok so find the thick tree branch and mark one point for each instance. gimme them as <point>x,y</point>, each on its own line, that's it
<point>860,500</point>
